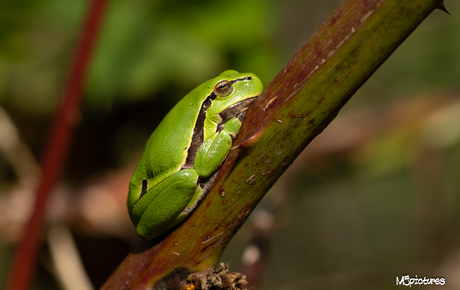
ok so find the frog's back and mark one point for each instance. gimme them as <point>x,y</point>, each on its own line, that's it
<point>167,148</point>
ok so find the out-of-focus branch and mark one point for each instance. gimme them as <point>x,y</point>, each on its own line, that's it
<point>56,149</point>
<point>66,260</point>
<point>16,152</point>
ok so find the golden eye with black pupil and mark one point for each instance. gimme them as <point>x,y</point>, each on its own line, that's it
<point>207,104</point>
<point>145,187</point>
<point>223,88</point>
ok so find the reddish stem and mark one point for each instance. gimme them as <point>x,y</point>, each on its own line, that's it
<point>56,149</point>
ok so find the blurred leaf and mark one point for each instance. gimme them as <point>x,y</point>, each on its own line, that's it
<point>145,47</point>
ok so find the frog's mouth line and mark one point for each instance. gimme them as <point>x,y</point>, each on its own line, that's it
<point>235,110</point>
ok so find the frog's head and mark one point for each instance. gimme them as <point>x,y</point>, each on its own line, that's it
<point>232,94</point>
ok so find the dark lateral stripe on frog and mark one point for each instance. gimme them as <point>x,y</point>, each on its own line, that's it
<point>198,130</point>
<point>198,133</point>
<point>241,79</point>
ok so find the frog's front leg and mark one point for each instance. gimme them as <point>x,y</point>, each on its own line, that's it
<point>160,208</point>
<point>215,149</point>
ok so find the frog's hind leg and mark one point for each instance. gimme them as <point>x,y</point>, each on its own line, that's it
<point>161,206</point>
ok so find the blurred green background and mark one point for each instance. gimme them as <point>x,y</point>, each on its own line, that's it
<point>375,196</point>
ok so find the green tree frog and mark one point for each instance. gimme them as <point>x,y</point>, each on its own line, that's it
<point>185,152</point>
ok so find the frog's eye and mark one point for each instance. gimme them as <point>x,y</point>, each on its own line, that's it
<point>223,88</point>
<point>145,187</point>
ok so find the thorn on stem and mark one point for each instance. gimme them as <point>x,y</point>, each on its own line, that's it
<point>442,7</point>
